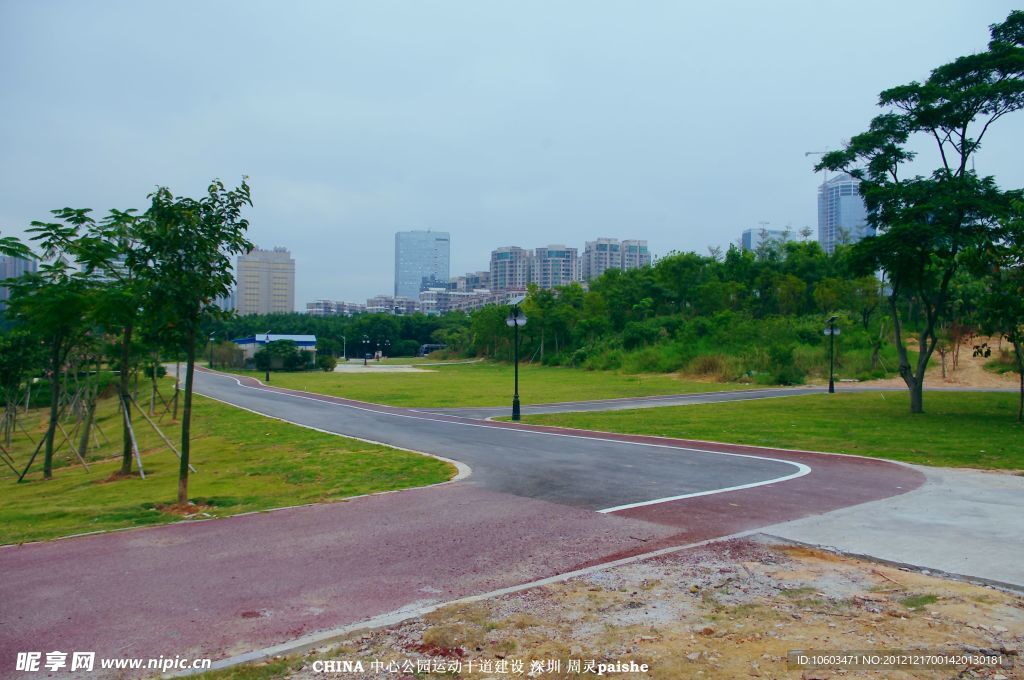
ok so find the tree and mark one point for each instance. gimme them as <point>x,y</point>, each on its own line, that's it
<point>111,250</point>
<point>1002,305</point>
<point>19,356</point>
<point>326,363</point>
<point>188,245</point>
<point>925,224</point>
<point>54,304</point>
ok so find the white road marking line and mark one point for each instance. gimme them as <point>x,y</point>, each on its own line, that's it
<point>462,469</point>
<point>628,506</point>
<point>802,469</point>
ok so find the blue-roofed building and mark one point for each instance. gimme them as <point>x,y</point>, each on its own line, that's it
<point>253,343</point>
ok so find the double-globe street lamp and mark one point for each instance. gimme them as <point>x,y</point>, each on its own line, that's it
<point>832,332</point>
<point>515,319</point>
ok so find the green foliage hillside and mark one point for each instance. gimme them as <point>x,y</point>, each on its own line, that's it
<point>748,315</point>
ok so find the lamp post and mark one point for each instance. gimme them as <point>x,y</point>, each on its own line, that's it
<point>366,346</point>
<point>832,332</point>
<point>211,350</point>
<point>344,347</point>
<point>515,319</point>
<point>266,348</point>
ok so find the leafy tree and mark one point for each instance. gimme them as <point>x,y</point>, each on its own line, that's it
<point>188,245</point>
<point>262,359</point>
<point>1002,304</point>
<point>925,224</point>
<point>326,363</point>
<point>280,354</point>
<point>55,304</point>
<point>20,356</point>
<point>111,250</point>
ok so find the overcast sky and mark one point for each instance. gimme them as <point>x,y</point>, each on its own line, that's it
<point>505,123</point>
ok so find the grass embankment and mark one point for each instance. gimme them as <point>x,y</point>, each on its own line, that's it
<point>245,462</point>
<point>485,384</point>
<point>956,430</point>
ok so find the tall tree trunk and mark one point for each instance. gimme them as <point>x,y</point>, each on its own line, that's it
<point>54,405</point>
<point>904,361</point>
<point>177,387</point>
<point>123,388</point>
<point>90,410</point>
<point>186,420</point>
<point>1018,350</point>
<point>152,392</point>
<point>917,397</point>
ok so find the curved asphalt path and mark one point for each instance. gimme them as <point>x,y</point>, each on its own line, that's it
<point>582,471</point>
<point>527,511</point>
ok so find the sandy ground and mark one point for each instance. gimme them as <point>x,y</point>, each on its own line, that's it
<point>969,372</point>
<point>735,609</point>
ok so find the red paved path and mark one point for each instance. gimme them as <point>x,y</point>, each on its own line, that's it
<point>227,586</point>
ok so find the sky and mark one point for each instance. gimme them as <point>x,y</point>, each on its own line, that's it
<point>504,123</point>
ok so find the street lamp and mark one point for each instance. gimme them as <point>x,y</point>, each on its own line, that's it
<point>344,347</point>
<point>266,348</point>
<point>515,319</point>
<point>211,350</point>
<point>366,346</point>
<point>832,332</point>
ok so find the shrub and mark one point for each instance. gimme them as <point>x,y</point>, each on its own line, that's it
<point>788,375</point>
<point>326,363</point>
<point>707,364</point>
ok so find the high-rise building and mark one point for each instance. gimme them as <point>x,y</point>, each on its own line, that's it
<point>842,217</point>
<point>604,253</point>
<point>635,254</point>
<point>12,268</point>
<point>510,268</point>
<point>421,261</point>
<point>610,253</point>
<point>470,282</point>
<point>266,282</point>
<point>555,265</point>
<point>752,239</point>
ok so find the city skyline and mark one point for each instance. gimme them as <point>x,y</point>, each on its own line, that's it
<point>421,259</point>
<point>357,121</point>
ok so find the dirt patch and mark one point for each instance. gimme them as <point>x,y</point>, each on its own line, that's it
<point>734,609</point>
<point>186,510</point>
<point>969,372</point>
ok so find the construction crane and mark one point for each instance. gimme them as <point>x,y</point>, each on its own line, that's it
<point>824,171</point>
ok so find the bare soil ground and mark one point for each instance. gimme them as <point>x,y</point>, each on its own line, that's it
<point>734,609</point>
<point>968,372</point>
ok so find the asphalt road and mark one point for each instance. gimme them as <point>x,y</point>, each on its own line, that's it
<point>586,472</point>
<point>225,587</point>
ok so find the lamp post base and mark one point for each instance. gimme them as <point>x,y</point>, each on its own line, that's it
<point>515,407</point>
<point>831,387</point>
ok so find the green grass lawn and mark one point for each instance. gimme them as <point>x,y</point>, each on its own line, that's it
<point>245,462</point>
<point>957,430</point>
<point>486,384</point>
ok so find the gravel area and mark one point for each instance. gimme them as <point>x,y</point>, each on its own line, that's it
<point>733,609</point>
